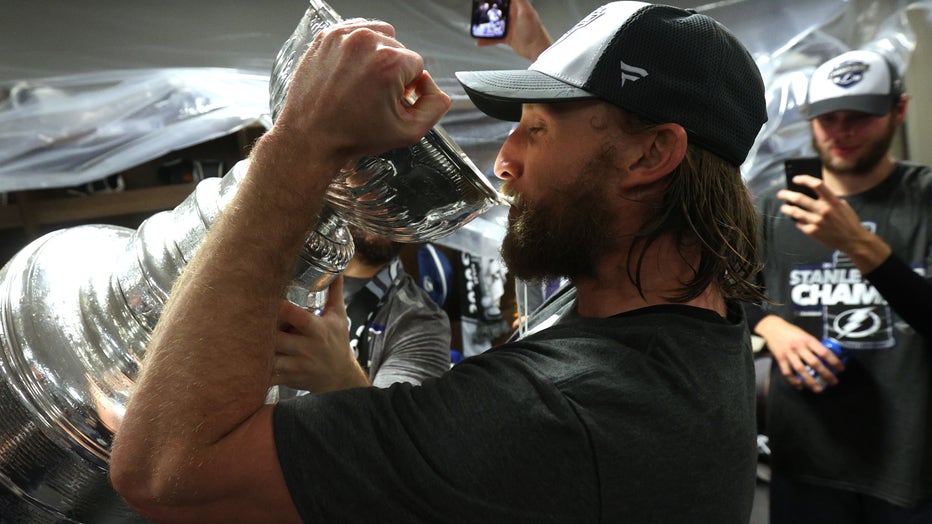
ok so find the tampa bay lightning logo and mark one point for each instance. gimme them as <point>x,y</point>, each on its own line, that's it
<point>848,73</point>
<point>857,323</point>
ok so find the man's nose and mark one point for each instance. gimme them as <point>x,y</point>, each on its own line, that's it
<point>507,163</point>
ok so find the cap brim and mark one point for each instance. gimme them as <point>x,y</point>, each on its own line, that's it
<point>500,94</point>
<point>873,104</point>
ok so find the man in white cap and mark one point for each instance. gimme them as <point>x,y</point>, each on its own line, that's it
<point>636,407</point>
<point>851,441</point>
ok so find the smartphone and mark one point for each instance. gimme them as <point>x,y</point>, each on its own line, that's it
<point>489,18</point>
<point>811,166</point>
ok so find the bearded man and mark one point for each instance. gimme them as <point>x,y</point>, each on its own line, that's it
<point>851,437</point>
<point>637,407</point>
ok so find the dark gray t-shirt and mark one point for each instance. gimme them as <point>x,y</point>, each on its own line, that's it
<point>872,432</point>
<point>643,417</point>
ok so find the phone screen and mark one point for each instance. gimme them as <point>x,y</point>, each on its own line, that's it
<point>489,19</point>
<point>802,166</point>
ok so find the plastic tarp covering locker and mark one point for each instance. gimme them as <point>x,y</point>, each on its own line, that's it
<point>68,121</point>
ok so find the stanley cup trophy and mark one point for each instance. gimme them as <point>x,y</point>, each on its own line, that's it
<point>77,306</point>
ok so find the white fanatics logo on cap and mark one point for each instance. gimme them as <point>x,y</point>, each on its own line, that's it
<point>631,73</point>
<point>573,57</point>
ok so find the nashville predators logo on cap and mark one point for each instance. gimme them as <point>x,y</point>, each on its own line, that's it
<point>848,74</point>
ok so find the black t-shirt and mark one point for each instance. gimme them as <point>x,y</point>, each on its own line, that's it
<point>642,417</point>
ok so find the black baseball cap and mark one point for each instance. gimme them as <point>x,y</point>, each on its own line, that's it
<point>661,62</point>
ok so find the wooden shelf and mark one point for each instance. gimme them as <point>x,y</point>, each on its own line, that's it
<point>32,210</point>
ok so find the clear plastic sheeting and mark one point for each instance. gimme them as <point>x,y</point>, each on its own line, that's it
<point>70,130</point>
<point>797,36</point>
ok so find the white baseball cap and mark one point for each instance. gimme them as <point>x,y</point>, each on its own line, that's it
<point>858,80</point>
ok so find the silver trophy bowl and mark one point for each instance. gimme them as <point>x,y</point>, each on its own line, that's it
<point>78,306</point>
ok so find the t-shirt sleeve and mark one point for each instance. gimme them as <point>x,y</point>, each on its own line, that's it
<point>469,443</point>
<point>417,340</point>
<point>907,292</point>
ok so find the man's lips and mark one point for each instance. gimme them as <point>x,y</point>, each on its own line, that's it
<point>844,150</point>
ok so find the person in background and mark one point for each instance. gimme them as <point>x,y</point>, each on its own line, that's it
<point>850,442</point>
<point>637,408</point>
<point>526,34</point>
<point>397,332</point>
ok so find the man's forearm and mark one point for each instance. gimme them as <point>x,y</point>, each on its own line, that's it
<point>214,341</point>
<point>907,292</point>
<point>867,252</point>
<point>197,435</point>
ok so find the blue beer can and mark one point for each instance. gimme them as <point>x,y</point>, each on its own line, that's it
<point>835,347</point>
<point>840,351</point>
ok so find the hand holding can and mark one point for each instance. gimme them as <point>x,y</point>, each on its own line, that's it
<point>840,351</point>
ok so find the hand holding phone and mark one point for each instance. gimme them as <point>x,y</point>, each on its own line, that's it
<point>802,166</point>
<point>489,18</point>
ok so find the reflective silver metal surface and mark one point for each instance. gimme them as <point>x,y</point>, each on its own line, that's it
<point>410,194</point>
<point>77,306</point>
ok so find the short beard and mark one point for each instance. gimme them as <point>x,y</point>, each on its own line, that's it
<point>866,162</point>
<point>373,250</point>
<point>564,238</point>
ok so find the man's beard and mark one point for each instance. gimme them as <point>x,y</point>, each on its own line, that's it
<point>565,236</point>
<point>371,249</point>
<point>864,163</point>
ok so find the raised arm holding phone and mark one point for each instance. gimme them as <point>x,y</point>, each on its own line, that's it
<point>527,36</point>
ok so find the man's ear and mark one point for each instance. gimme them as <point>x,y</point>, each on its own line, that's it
<point>662,150</point>
<point>899,109</point>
